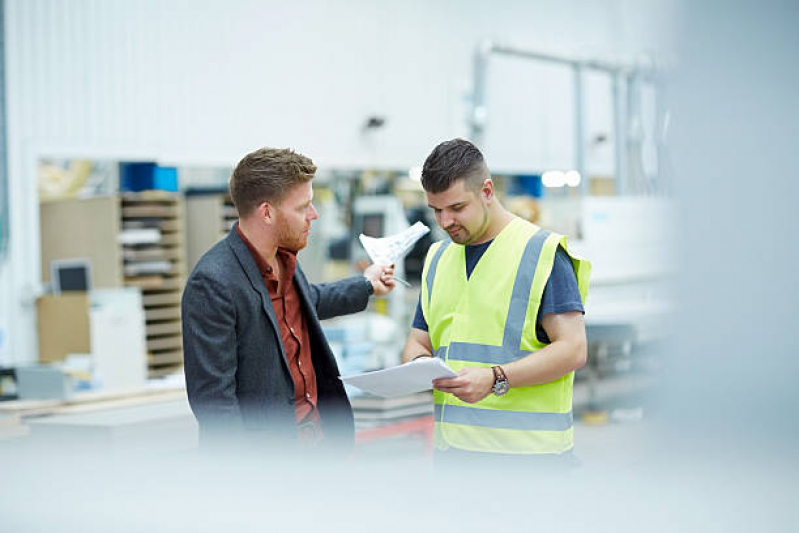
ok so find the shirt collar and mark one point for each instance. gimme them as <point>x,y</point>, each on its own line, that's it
<point>287,257</point>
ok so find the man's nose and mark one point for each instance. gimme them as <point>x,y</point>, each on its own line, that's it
<point>312,213</point>
<point>445,220</point>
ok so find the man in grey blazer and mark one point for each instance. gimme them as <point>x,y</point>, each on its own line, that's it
<point>259,370</point>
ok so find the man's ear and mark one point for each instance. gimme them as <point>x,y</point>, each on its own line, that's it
<point>266,211</point>
<point>487,190</point>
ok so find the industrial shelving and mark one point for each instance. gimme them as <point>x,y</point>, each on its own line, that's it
<point>132,240</point>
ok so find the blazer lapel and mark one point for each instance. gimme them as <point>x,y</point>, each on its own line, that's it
<point>254,275</point>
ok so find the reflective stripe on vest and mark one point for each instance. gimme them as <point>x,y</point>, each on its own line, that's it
<point>491,418</point>
<point>527,420</point>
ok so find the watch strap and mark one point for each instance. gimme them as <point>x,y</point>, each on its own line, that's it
<point>499,374</point>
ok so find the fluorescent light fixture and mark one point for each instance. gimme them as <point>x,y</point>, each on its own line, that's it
<point>573,178</point>
<point>553,178</point>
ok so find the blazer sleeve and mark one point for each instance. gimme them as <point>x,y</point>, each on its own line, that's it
<point>338,298</point>
<point>209,352</point>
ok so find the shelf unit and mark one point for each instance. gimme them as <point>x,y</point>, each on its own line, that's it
<point>131,239</point>
<point>209,218</point>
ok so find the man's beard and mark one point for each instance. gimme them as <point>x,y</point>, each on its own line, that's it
<point>469,238</point>
<point>289,240</point>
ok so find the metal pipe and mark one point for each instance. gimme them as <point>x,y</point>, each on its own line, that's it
<point>4,204</point>
<point>477,120</point>
<point>579,129</point>
<point>624,108</point>
<point>620,135</point>
<point>603,65</point>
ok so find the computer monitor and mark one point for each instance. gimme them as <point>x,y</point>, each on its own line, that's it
<point>70,275</point>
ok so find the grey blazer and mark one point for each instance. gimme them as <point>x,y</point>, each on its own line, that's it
<point>237,374</point>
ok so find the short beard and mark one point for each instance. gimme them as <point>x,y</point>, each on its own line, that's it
<point>480,231</point>
<point>287,240</point>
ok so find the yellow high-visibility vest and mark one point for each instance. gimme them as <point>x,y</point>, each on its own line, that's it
<point>489,319</point>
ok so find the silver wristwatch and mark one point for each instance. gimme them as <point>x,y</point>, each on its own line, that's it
<point>501,384</point>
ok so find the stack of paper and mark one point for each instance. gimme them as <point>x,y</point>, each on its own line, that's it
<point>411,377</point>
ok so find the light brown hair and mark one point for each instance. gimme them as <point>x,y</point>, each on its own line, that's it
<point>267,175</point>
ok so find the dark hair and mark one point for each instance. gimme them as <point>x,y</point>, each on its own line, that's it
<point>451,161</point>
<point>267,175</point>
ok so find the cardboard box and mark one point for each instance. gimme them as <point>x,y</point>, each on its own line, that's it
<point>63,325</point>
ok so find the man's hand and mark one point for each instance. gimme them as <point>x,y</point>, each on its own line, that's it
<point>382,278</point>
<point>471,385</point>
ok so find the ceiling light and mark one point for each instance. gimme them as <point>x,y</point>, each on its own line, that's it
<point>553,178</point>
<point>573,178</point>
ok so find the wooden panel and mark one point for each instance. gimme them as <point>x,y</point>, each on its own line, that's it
<point>63,325</point>
<point>87,229</point>
<point>166,358</point>
<point>169,298</point>
<point>158,252</point>
<point>163,328</point>
<point>164,343</point>
<point>157,372</point>
<point>162,313</point>
<point>149,211</point>
<point>171,239</point>
<point>155,282</point>
<point>203,218</point>
<point>171,225</point>
<point>150,196</point>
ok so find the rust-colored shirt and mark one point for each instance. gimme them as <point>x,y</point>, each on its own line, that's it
<point>293,330</point>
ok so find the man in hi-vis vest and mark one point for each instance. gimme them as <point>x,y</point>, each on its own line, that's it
<point>502,304</point>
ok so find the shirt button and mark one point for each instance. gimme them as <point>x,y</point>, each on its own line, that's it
<point>307,394</point>
<point>299,363</point>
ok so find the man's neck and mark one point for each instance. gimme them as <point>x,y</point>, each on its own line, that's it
<point>500,218</point>
<point>264,244</point>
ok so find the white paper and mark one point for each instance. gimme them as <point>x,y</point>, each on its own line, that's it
<point>389,250</point>
<point>139,236</point>
<point>415,376</point>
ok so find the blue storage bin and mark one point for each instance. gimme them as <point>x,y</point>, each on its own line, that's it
<point>141,176</point>
<point>527,185</point>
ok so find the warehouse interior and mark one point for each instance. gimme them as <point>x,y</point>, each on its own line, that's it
<point>658,137</point>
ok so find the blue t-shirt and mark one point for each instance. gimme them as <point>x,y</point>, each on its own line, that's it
<point>561,293</point>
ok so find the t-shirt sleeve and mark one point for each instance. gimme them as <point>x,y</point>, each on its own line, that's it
<point>418,319</point>
<point>561,293</point>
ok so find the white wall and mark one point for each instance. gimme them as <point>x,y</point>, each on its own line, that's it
<point>203,82</point>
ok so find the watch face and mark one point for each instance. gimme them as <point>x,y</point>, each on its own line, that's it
<point>501,387</point>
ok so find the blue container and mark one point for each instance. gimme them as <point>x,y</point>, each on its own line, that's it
<point>528,185</point>
<point>141,176</point>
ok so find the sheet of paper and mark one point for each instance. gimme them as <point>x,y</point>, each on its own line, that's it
<point>389,250</point>
<point>415,376</point>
